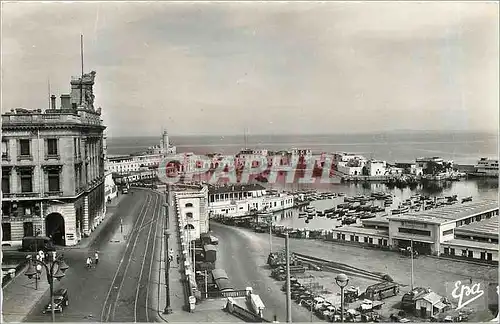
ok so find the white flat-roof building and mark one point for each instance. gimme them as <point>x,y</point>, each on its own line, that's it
<point>239,200</point>
<point>191,204</point>
<point>430,229</point>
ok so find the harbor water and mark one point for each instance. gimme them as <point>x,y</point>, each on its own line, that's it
<point>478,189</point>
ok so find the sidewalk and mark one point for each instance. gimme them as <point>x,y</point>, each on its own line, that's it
<point>208,310</point>
<point>110,210</point>
<point>19,295</point>
<point>177,299</point>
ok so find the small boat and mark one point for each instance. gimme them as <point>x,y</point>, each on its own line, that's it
<point>302,214</point>
<point>307,221</point>
<point>466,199</point>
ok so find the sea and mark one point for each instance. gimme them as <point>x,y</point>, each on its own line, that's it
<point>402,146</point>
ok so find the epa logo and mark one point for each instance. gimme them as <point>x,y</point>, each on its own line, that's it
<point>475,295</point>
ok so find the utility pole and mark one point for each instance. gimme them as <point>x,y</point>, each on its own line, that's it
<point>411,254</point>
<point>288,293</point>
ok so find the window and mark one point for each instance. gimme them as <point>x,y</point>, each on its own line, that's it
<point>52,146</point>
<point>414,231</point>
<point>489,256</point>
<point>352,237</point>
<point>464,252</point>
<point>370,240</point>
<point>190,215</point>
<point>447,232</point>
<point>339,236</point>
<point>365,239</point>
<point>75,147</point>
<point>5,182</point>
<point>54,183</point>
<point>5,149</point>
<point>446,250</point>
<point>188,205</point>
<point>28,229</point>
<point>452,251</point>
<point>356,238</point>
<point>483,255</point>
<point>343,237</point>
<point>24,147</point>
<point>471,254</point>
<point>379,241</point>
<point>6,233</point>
<point>26,181</point>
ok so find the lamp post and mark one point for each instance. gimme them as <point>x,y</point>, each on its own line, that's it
<point>54,270</point>
<point>166,233</point>
<point>342,281</point>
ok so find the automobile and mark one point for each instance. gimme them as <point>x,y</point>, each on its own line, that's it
<point>125,191</point>
<point>307,303</point>
<point>60,301</point>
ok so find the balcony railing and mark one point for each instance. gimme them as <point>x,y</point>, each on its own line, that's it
<point>25,157</point>
<point>52,157</point>
<point>53,193</point>
<point>21,195</point>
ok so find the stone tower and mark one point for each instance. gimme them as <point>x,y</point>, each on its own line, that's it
<point>164,142</point>
<point>82,91</point>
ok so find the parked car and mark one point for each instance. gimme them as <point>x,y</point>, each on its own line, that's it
<point>37,243</point>
<point>60,301</point>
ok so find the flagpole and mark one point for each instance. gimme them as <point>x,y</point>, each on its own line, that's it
<point>81,80</point>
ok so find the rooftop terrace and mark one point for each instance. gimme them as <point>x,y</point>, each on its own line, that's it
<point>449,213</point>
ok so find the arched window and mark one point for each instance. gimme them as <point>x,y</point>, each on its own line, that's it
<point>189,227</point>
<point>188,205</point>
<point>190,215</point>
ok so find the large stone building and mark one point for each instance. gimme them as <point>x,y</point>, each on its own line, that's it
<point>53,168</point>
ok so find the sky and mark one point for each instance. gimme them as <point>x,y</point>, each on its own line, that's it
<point>269,68</point>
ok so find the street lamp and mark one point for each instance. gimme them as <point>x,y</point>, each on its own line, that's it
<point>54,270</point>
<point>342,281</point>
<point>166,234</point>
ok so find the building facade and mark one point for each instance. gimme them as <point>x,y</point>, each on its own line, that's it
<point>240,200</point>
<point>53,168</point>
<point>191,204</point>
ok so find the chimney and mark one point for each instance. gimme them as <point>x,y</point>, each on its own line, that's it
<point>53,102</point>
<point>65,101</point>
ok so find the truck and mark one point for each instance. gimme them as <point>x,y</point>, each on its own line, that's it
<point>280,272</point>
<point>279,259</point>
<point>210,252</point>
<point>381,290</point>
<point>256,304</point>
<point>409,299</point>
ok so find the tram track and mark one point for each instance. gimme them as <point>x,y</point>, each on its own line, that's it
<point>112,300</point>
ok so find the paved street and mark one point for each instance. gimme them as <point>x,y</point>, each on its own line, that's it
<point>243,254</point>
<point>117,288</point>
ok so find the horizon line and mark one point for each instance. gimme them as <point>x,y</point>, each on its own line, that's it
<point>496,132</point>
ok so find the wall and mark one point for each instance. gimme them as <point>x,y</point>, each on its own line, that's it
<point>423,303</point>
<point>475,251</point>
<point>395,234</point>
<point>334,236</point>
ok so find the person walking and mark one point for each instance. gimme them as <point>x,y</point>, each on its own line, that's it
<point>178,259</point>
<point>96,255</point>
<point>89,262</point>
<point>171,255</point>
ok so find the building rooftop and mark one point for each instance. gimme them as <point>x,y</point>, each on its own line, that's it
<point>449,213</point>
<point>472,244</point>
<point>488,227</point>
<point>235,188</point>
<point>361,230</point>
<point>376,221</point>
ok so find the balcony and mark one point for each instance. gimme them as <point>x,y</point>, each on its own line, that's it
<point>53,194</point>
<point>25,157</point>
<point>21,195</point>
<point>5,157</point>
<point>52,157</point>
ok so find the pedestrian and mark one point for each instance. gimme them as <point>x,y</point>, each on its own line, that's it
<point>96,257</point>
<point>53,256</point>
<point>89,262</point>
<point>178,260</point>
<point>171,255</point>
